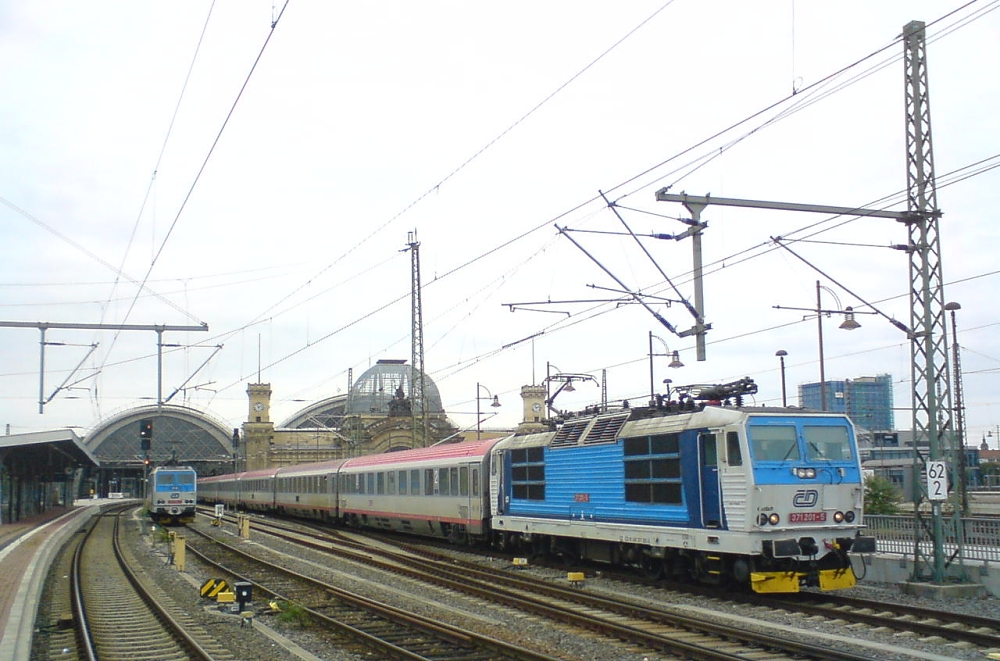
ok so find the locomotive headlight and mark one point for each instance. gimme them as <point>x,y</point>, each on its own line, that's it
<point>849,516</point>
<point>838,517</point>
<point>762,519</point>
<point>805,473</point>
<point>773,519</point>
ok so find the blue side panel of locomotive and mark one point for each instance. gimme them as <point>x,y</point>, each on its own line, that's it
<point>589,483</point>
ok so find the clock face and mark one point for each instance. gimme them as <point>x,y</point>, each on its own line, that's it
<point>536,407</point>
<point>259,406</point>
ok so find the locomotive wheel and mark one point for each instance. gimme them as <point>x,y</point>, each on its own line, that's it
<point>651,567</point>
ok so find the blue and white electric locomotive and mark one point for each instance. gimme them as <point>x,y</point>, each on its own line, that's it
<point>765,497</point>
<point>172,494</point>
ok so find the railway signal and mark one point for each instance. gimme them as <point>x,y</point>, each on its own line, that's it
<point>146,433</point>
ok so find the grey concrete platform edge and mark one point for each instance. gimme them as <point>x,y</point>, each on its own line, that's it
<point>980,580</point>
<point>16,643</point>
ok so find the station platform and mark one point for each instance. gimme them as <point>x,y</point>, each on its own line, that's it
<point>27,549</point>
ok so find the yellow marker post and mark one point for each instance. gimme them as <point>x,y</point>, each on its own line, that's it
<point>179,552</point>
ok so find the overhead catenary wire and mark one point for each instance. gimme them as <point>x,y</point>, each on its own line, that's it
<point>582,205</point>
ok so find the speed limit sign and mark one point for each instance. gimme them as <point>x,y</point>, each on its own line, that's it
<point>937,480</point>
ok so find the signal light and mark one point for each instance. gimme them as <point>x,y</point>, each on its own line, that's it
<point>146,433</point>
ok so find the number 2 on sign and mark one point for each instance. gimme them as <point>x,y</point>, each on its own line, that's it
<point>937,480</point>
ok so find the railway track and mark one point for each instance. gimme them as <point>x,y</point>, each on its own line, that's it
<point>925,622</point>
<point>116,615</point>
<point>922,622</point>
<point>354,620</point>
<point>640,626</point>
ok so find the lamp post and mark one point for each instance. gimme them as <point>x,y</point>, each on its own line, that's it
<point>495,404</point>
<point>675,362</point>
<point>566,379</point>
<point>849,323</point>
<point>958,447</point>
<point>781,353</point>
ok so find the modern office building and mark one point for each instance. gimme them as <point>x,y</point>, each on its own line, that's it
<point>867,400</point>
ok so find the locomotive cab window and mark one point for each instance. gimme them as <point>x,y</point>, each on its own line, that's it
<point>653,469</point>
<point>734,455</point>
<point>774,443</point>
<point>827,443</point>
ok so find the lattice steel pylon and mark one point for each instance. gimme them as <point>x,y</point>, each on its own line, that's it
<point>418,403</point>
<point>932,410</point>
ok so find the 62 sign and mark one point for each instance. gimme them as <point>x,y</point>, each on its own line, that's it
<point>937,480</point>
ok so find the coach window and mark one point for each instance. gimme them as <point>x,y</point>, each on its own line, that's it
<point>475,480</point>
<point>402,483</point>
<point>380,483</point>
<point>443,482</point>
<point>653,469</point>
<point>453,474</point>
<point>390,483</point>
<point>733,453</point>
<point>428,481</point>
<point>371,483</point>
<point>463,480</point>
<point>415,482</point>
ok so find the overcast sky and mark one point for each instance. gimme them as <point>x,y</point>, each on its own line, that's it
<point>259,167</point>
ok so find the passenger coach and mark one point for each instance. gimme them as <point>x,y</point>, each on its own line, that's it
<point>437,491</point>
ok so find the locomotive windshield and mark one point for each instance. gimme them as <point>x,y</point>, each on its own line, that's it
<point>827,443</point>
<point>821,441</point>
<point>774,443</point>
<point>172,479</point>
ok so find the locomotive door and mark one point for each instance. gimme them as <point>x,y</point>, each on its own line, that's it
<point>708,458</point>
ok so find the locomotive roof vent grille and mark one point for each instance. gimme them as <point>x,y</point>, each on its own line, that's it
<point>605,429</point>
<point>570,433</point>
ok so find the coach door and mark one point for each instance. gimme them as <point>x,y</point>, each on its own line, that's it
<point>708,458</point>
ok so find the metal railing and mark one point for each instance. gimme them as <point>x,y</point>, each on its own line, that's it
<point>895,535</point>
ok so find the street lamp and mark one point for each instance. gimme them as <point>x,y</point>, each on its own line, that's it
<point>495,404</point>
<point>781,353</point>
<point>675,362</point>
<point>564,378</point>
<point>849,323</point>
<point>958,446</point>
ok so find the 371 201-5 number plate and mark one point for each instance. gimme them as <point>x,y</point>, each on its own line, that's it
<point>806,517</point>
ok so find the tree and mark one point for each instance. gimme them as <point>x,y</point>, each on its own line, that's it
<point>881,496</point>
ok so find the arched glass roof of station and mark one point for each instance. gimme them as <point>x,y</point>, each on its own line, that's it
<point>179,433</point>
